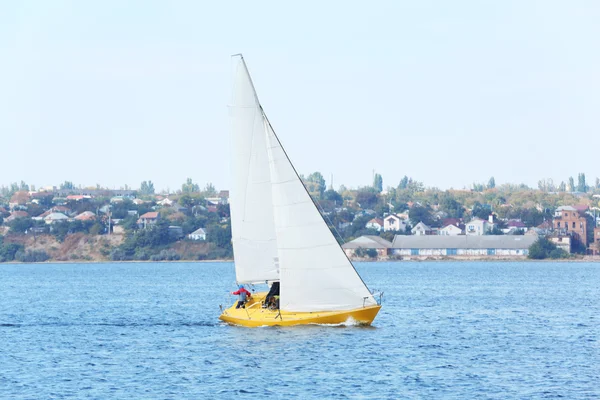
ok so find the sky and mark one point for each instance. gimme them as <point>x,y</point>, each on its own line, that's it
<point>449,93</point>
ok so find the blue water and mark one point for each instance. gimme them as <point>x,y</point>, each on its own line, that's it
<point>447,330</point>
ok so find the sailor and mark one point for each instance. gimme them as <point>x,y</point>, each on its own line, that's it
<point>243,296</point>
<point>270,298</point>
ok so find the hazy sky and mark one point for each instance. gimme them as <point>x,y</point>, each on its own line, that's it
<point>447,92</point>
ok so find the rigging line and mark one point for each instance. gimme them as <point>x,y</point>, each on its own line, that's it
<point>266,119</point>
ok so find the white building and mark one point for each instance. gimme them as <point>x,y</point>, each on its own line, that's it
<point>367,242</point>
<point>450,230</point>
<point>421,229</point>
<point>55,217</point>
<point>463,245</point>
<point>394,223</point>
<point>375,223</point>
<point>478,226</point>
<point>198,234</point>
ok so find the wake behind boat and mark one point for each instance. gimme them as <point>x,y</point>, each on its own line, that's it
<point>279,237</point>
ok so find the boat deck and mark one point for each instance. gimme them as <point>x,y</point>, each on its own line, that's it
<point>255,315</point>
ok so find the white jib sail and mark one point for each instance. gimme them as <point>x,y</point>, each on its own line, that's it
<point>252,224</point>
<point>315,273</point>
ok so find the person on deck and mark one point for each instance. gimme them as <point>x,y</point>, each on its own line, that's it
<point>244,294</point>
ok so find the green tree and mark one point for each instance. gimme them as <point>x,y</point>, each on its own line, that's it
<point>67,185</point>
<point>210,190</point>
<point>480,211</point>
<point>491,183</point>
<point>571,186</point>
<point>8,251</point>
<point>562,187</point>
<point>420,214</point>
<point>221,237</point>
<point>366,199</point>
<point>315,184</point>
<point>147,188</point>
<point>189,186</point>
<point>581,185</point>
<point>495,231</point>
<point>542,248</point>
<point>415,186</point>
<point>20,225</point>
<point>378,183</point>
<point>369,253</point>
<point>332,195</point>
<point>451,206</point>
<point>403,183</point>
<point>478,187</point>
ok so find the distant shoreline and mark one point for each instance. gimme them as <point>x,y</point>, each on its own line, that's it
<point>595,259</point>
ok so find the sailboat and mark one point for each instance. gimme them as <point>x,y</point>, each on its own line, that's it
<point>279,236</point>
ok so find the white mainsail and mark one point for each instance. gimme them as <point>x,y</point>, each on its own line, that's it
<point>252,224</point>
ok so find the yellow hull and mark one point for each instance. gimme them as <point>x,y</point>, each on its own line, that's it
<point>254,315</point>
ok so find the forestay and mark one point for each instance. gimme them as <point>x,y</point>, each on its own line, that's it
<point>253,230</point>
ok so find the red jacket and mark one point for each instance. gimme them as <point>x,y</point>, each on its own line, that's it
<point>242,290</point>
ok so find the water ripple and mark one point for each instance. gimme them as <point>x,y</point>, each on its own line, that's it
<point>447,330</point>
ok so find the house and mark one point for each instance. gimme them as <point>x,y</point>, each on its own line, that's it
<point>176,232</point>
<point>224,196</point>
<point>461,246</point>
<point>451,230</point>
<point>568,221</point>
<point>563,242</point>
<point>440,215</point>
<point>149,218</point>
<point>375,223</point>
<point>403,215</point>
<point>55,217</point>
<point>362,213</point>
<point>86,216</point>
<point>543,229</point>
<point>198,234</point>
<point>514,225</point>
<point>421,229</point>
<point>165,202</point>
<point>179,208</point>
<point>581,208</point>
<point>367,242</point>
<point>61,209</point>
<point>42,215</point>
<point>344,225</point>
<point>16,214</point>
<point>137,202</point>
<point>595,246</point>
<point>394,223</point>
<point>478,226</point>
<point>452,221</point>
<point>78,197</point>
<point>19,198</point>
